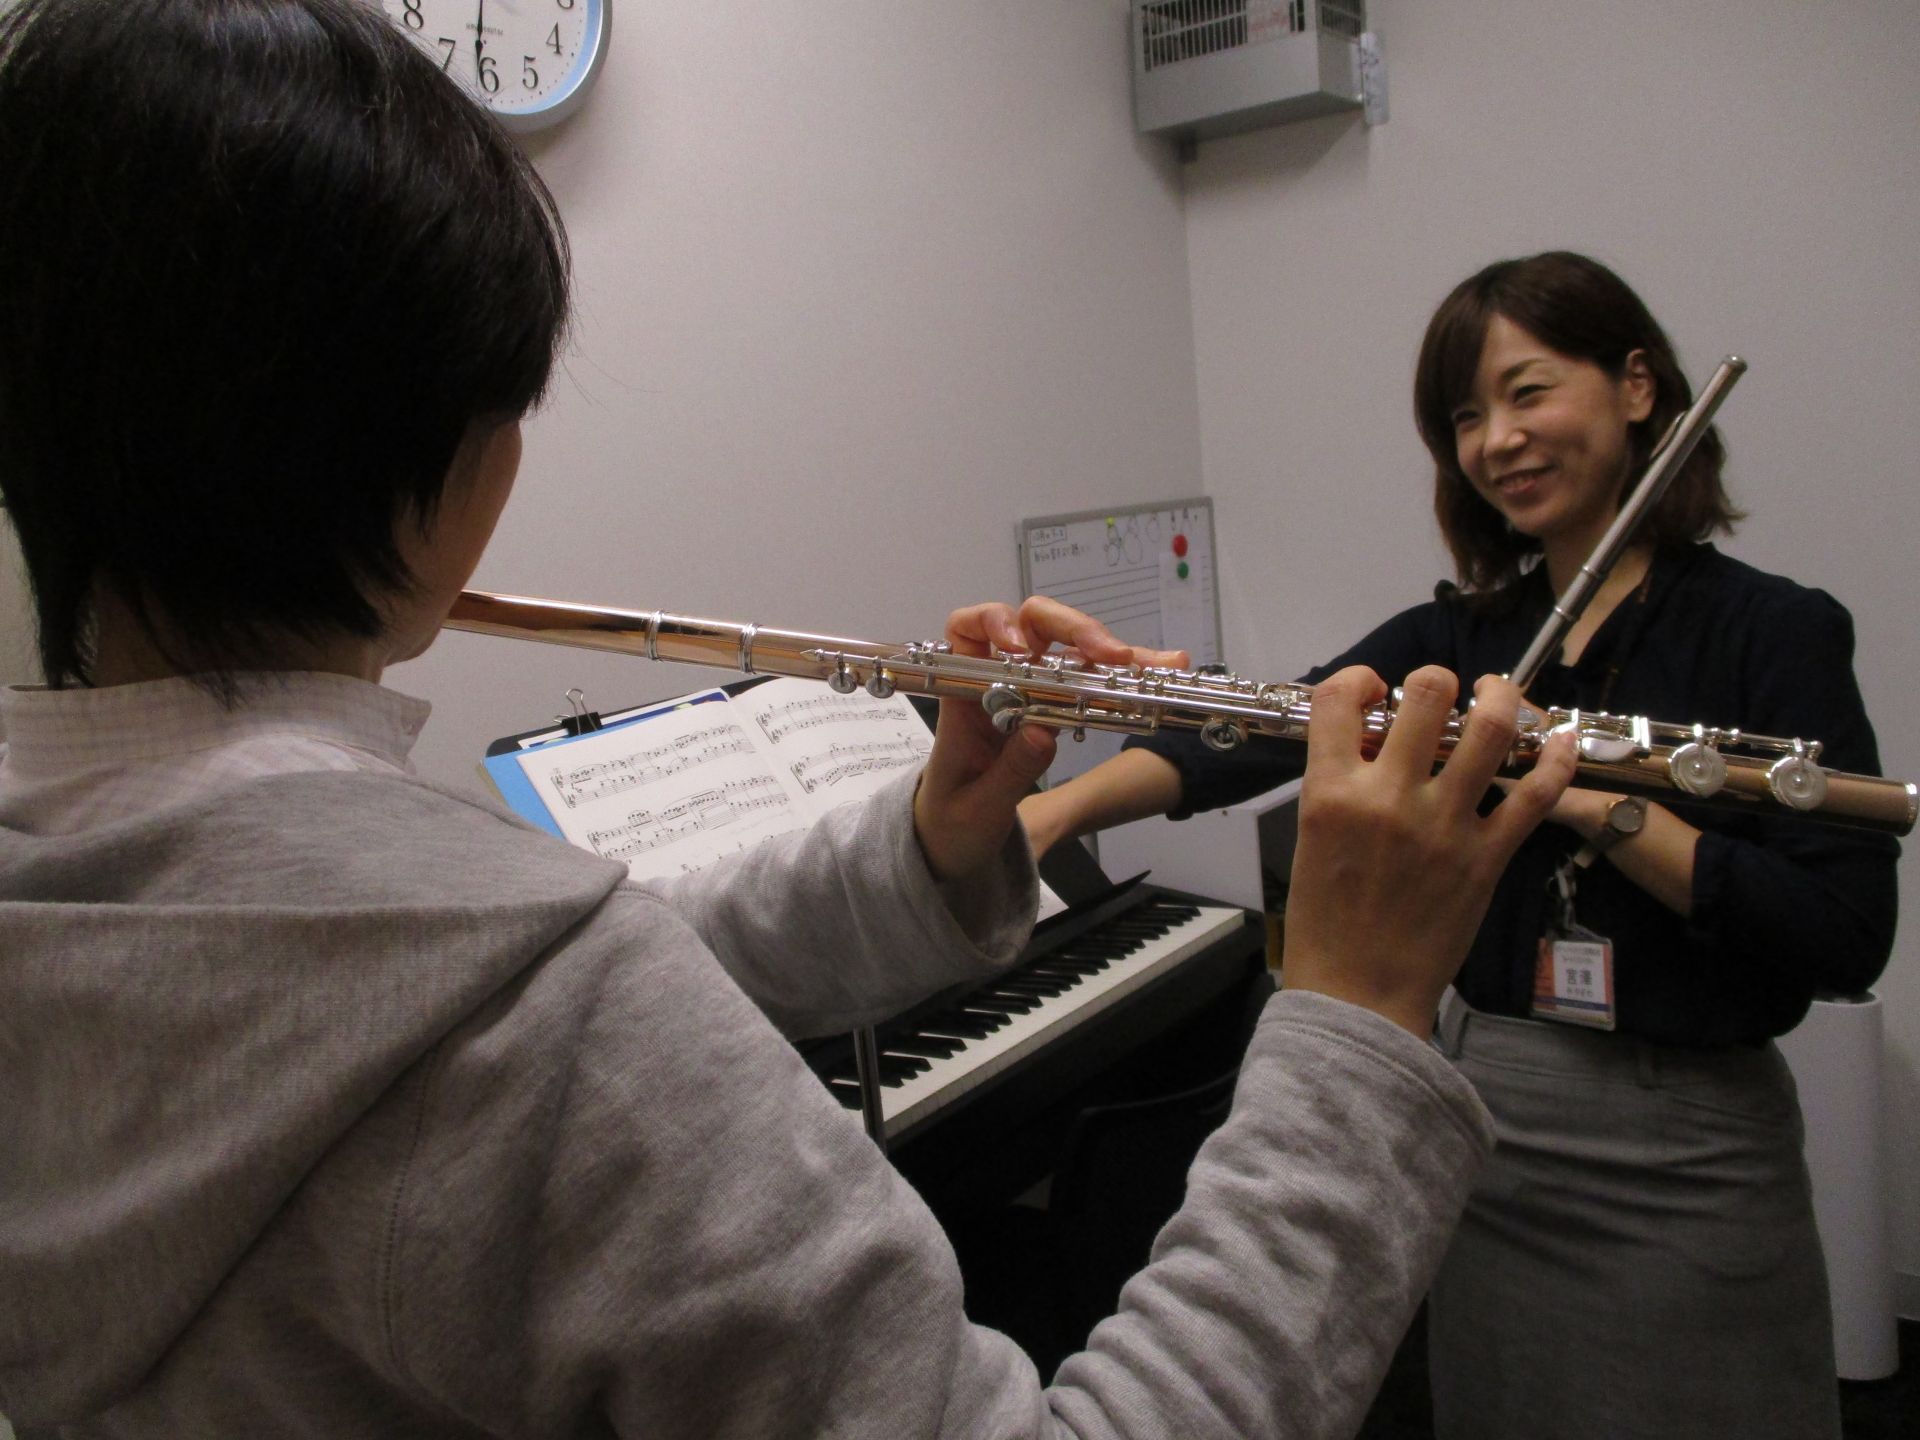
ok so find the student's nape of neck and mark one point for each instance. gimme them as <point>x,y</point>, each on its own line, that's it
<point>126,651</point>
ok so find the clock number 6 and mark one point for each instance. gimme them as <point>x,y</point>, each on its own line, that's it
<point>489,76</point>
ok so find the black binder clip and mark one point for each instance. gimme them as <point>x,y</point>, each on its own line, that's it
<point>582,721</point>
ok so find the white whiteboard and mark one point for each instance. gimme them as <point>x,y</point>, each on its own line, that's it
<point>1146,571</point>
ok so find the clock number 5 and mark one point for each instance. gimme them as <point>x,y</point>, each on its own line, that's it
<point>529,77</point>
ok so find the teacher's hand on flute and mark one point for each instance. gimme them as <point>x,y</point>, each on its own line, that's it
<point>966,805</point>
<point>1395,864</point>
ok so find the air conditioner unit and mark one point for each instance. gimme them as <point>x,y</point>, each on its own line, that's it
<point>1203,68</point>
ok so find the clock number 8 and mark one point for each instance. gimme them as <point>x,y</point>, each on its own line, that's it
<point>413,19</point>
<point>566,4</point>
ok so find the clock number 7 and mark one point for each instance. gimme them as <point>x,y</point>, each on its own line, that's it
<point>451,47</point>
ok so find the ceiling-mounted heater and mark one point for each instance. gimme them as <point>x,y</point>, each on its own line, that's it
<point>1203,68</point>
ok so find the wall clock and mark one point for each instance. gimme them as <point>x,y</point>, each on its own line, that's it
<point>530,62</point>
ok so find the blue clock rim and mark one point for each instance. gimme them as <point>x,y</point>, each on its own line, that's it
<point>572,89</point>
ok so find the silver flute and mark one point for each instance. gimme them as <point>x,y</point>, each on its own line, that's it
<point>1624,753</point>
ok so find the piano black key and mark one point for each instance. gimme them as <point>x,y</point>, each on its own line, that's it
<point>894,1062</point>
<point>1003,1001</point>
<point>1066,974</point>
<point>1058,965</point>
<point>847,1092</point>
<point>937,1046</point>
<point>961,1025</point>
<point>1028,983</point>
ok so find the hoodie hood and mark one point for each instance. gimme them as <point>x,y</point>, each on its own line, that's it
<point>195,1006</point>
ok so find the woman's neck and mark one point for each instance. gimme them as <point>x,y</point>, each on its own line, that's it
<point>1628,572</point>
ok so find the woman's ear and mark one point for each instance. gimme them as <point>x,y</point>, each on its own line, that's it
<point>1638,387</point>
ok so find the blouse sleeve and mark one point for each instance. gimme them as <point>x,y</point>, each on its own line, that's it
<point>1812,906</point>
<point>1211,779</point>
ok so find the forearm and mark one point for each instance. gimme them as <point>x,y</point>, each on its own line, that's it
<point>1313,1222</point>
<point>844,923</point>
<point>1658,859</point>
<point>1131,786</point>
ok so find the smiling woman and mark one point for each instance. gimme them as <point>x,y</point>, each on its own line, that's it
<point>1542,439</point>
<point>1640,1256</point>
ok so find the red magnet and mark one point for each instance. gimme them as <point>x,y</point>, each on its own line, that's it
<point>1179,544</point>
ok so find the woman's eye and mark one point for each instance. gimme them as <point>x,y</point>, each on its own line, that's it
<point>1526,391</point>
<point>1464,418</point>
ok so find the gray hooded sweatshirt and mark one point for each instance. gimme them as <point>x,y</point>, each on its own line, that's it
<point>338,1105</point>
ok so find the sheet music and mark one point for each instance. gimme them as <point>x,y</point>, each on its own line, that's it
<point>683,785</point>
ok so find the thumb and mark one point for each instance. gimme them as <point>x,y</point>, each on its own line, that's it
<point>1021,761</point>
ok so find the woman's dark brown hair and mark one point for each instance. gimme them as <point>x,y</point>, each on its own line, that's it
<point>1582,309</point>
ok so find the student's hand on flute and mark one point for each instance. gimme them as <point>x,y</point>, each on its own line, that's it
<point>1395,866</point>
<point>966,804</point>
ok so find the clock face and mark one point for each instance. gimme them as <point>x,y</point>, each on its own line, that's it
<point>528,61</point>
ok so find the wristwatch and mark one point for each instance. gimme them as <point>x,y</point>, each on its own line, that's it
<point>1626,816</point>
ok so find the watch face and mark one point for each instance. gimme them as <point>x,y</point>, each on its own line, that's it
<point>1626,816</point>
<point>528,61</point>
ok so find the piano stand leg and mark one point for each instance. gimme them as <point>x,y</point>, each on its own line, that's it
<point>866,1067</point>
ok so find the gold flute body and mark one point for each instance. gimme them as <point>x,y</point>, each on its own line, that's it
<point>1624,753</point>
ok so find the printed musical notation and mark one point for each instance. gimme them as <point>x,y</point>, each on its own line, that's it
<point>787,717</point>
<point>602,779</point>
<point>692,782</point>
<point>705,810</point>
<point>838,764</point>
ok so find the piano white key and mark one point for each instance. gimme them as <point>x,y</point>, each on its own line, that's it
<point>919,1096</point>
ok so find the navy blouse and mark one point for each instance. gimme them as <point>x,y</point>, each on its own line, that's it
<point>1783,908</point>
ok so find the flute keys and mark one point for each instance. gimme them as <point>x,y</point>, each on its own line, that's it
<point>880,684</point>
<point>1220,733</point>
<point>1697,769</point>
<point>1605,749</point>
<point>1797,783</point>
<point>843,681</point>
<point>1004,705</point>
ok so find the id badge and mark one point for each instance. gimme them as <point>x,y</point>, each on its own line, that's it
<point>1573,979</point>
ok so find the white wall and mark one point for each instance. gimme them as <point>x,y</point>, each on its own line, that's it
<point>1749,165</point>
<point>860,286</point>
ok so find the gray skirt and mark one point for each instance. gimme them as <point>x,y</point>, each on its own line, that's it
<point>1639,1258</point>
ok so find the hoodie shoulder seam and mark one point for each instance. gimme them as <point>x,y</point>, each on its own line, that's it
<point>389,1269</point>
